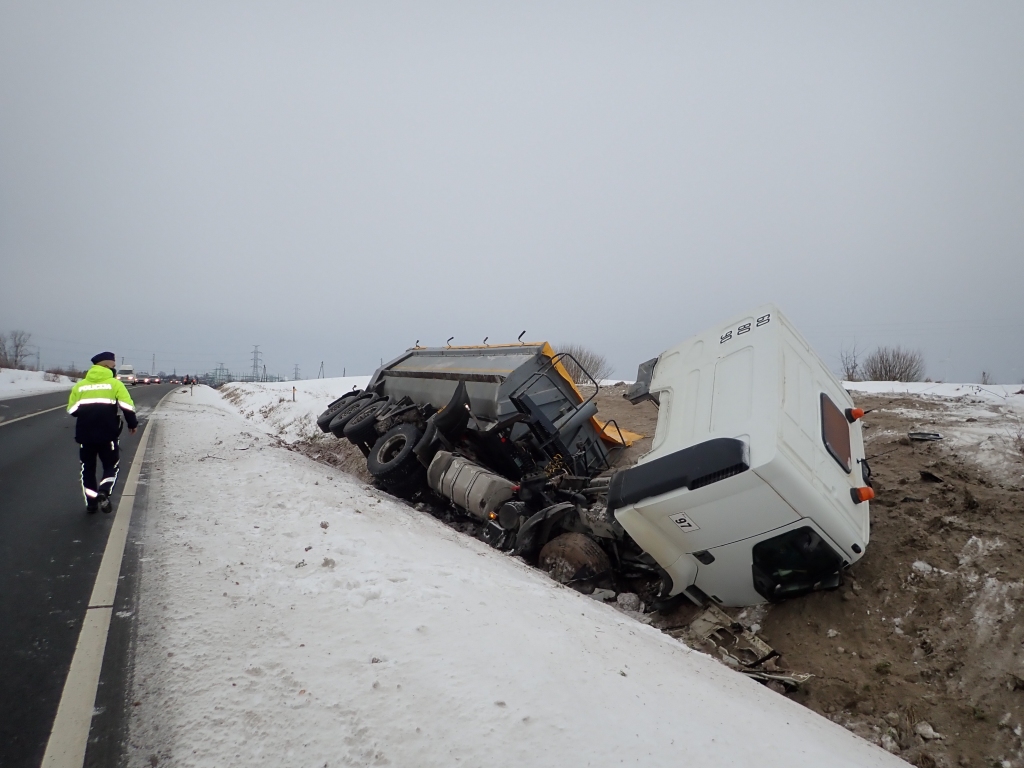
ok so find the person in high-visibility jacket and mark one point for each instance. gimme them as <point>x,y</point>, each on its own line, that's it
<point>97,402</point>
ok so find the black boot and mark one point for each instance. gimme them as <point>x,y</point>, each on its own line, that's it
<point>105,504</point>
<point>92,505</point>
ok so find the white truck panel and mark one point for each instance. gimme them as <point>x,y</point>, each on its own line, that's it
<point>755,379</point>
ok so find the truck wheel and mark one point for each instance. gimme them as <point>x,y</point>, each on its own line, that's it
<point>392,461</point>
<point>341,419</point>
<point>360,428</point>
<point>324,419</point>
<point>572,558</point>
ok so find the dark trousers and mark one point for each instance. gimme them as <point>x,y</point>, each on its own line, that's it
<point>108,454</point>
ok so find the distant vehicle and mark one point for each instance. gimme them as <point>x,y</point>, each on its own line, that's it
<point>144,378</point>
<point>126,374</point>
<point>155,380</point>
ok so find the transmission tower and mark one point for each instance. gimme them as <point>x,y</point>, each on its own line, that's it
<point>256,363</point>
<point>296,376</point>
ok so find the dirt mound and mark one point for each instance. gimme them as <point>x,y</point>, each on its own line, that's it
<point>336,452</point>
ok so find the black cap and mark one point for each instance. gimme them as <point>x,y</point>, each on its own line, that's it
<point>97,359</point>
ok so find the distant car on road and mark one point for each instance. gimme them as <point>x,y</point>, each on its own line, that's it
<point>144,378</point>
<point>155,380</point>
<point>126,374</point>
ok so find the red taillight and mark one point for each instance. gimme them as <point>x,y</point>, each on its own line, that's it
<point>852,414</point>
<point>862,494</point>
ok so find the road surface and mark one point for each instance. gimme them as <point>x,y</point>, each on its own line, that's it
<point>50,551</point>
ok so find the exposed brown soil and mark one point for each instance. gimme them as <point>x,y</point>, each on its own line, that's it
<point>337,453</point>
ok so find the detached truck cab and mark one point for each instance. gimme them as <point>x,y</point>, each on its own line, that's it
<point>755,488</point>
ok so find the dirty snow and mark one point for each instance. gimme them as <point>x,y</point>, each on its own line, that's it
<point>985,423</point>
<point>17,383</point>
<point>290,615</point>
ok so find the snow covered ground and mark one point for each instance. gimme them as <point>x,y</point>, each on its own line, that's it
<point>15,383</point>
<point>290,615</point>
<point>271,406</point>
<point>983,422</point>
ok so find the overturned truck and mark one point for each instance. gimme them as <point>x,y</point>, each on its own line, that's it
<point>755,488</point>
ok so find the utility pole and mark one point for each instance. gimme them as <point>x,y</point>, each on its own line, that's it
<point>296,376</point>
<point>152,369</point>
<point>256,363</point>
<point>264,373</point>
<point>321,374</point>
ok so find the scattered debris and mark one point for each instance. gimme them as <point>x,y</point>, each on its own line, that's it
<point>926,732</point>
<point>924,436</point>
<point>629,601</point>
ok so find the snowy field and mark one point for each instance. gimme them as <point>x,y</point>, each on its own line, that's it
<point>15,383</point>
<point>291,616</point>
<point>983,422</point>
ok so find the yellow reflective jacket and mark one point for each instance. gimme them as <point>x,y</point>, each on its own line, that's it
<point>97,402</point>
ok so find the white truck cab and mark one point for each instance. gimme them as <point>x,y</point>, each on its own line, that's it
<point>755,488</point>
<point>126,374</point>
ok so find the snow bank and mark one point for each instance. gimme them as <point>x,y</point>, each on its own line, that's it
<point>292,616</point>
<point>987,392</point>
<point>15,383</point>
<point>270,404</point>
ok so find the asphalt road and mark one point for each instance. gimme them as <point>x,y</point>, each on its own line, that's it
<point>50,551</point>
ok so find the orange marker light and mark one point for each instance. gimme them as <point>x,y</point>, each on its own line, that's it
<point>852,414</point>
<point>492,515</point>
<point>862,494</point>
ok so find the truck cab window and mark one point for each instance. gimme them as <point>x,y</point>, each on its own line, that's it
<point>835,432</point>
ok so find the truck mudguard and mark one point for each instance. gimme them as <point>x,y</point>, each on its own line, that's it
<point>692,467</point>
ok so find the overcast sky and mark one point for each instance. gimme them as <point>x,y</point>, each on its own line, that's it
<point>335,181</point>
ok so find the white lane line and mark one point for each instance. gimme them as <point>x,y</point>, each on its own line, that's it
<point>70,734</point>
<point>37,413</point>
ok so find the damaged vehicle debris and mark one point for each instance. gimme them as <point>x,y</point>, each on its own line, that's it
<point>755,488</point>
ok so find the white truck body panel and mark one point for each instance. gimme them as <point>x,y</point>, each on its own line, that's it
<point>755,379</point>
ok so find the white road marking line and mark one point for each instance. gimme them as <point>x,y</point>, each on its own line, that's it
<point>69,736</point>
<point>29,416</point>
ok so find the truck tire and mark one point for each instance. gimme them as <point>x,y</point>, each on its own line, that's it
<point>361,427</point>
<point>392,461</point>
<point>574,558</point>
<point>338,423</point>
<point>324,419</point>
